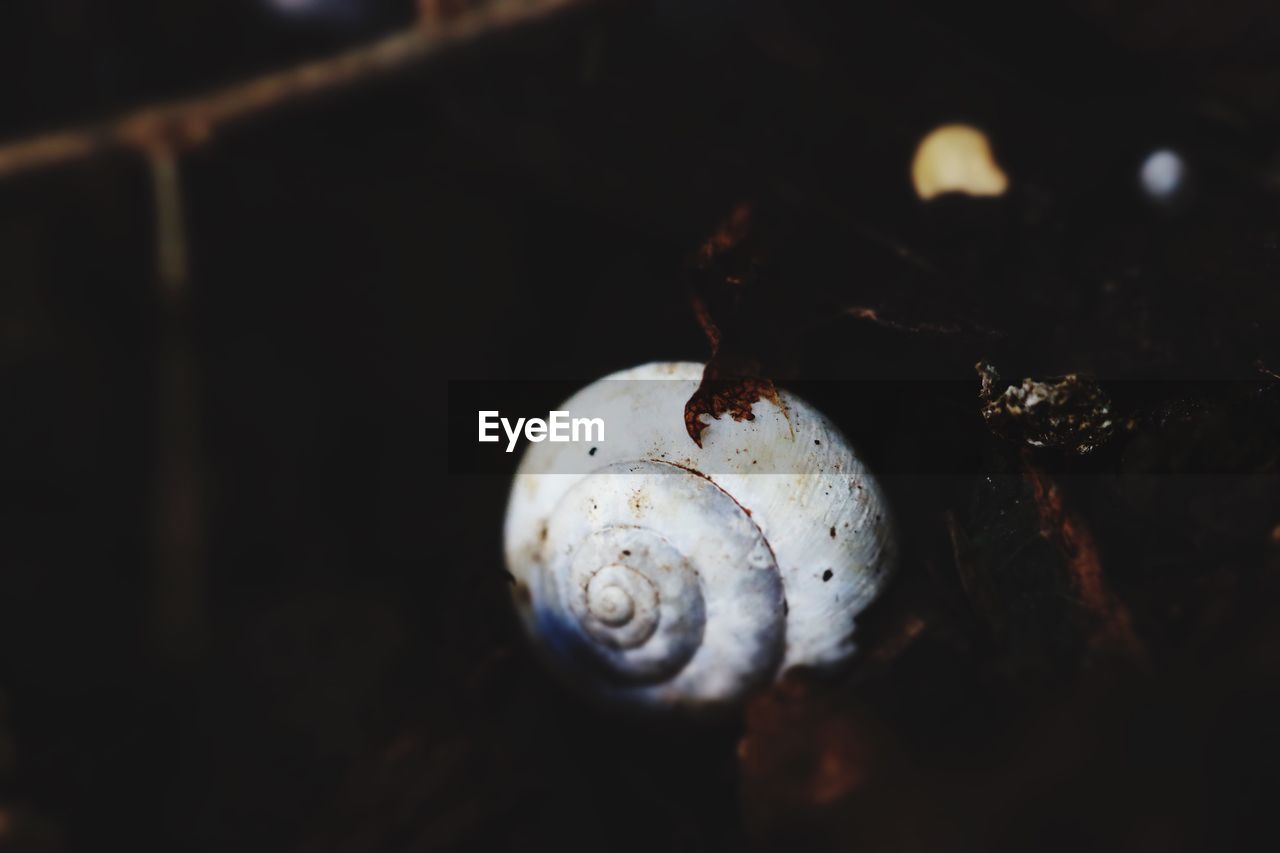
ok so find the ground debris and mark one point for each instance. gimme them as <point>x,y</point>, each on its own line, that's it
<point>1031,569</point>
<point>1069,412</point>
<point>800,790</point>
<point>1109,625</point>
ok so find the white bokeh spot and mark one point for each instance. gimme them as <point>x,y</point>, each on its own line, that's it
<point>1162,173</point>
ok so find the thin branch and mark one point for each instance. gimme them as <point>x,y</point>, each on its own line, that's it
<point>190,121</point>
<point>180,571</point>
<point>171,239</point>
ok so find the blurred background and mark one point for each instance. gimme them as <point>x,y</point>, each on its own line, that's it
<point>250,598</point>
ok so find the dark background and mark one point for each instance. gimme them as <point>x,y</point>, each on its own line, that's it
<point>529,207</point>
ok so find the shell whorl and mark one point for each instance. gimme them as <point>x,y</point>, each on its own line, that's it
<point>656,573</point>
<point>639,562</point>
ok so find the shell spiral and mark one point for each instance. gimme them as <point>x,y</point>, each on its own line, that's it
<point>655,573</point>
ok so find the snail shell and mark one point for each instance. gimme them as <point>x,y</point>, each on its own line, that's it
<point>656,573</point>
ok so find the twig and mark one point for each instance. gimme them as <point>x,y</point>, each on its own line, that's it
<point>190,121</point>
<point>171,236</point>
<point>179,520</point>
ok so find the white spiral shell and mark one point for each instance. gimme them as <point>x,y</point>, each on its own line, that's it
<point>657,573</point>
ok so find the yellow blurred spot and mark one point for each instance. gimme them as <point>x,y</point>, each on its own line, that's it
<point>956,158</point>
